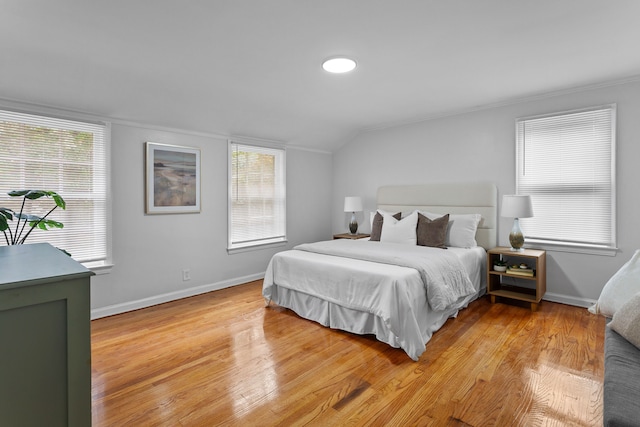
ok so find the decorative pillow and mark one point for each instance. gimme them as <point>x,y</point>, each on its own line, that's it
<point>626,321</point>
<point>376,224</point>
<point>624,284</point>
<point>461,231</point>
<point>432,232</point>
<point>399,231</point>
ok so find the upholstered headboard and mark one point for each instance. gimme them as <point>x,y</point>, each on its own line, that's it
<point>453,198</point>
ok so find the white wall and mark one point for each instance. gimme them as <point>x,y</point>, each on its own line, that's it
<point>480,145</point>
<point>150,251</point>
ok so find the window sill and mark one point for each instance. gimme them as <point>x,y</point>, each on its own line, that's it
<point>255,247</point>
<point>98,267</point>
<point>573,248</point>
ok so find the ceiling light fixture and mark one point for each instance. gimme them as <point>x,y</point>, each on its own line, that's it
<point>339,65</point>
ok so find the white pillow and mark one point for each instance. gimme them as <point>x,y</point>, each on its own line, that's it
<point>461,231</point>
<point>403,231</point>
<point>623,285</point>
<point>373,215</point>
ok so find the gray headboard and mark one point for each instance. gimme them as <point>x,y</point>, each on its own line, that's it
<point>453,198</point>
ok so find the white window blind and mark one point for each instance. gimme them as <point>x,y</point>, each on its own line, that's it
<point>257,196</point>
<point>65,156</point>
<point>566,163</point>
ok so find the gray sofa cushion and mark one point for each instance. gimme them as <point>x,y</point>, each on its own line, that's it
<point>621,381</point>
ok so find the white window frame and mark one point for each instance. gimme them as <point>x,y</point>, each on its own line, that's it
<point>546,242</point>
<point>104,263</point>
<point>267,241</point>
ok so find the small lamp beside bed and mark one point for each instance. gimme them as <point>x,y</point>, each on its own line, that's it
<point>516,206</point>
<point>353,204</point>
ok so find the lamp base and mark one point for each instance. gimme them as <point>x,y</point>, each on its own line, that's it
<point>516,238</point>
<point>353,225</point>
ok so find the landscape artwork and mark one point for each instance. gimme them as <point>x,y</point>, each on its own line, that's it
<point>173,179</point>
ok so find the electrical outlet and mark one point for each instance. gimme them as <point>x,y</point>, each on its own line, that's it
<point>186,274</point>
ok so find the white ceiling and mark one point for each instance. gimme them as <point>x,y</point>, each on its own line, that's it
<point>253,67</point>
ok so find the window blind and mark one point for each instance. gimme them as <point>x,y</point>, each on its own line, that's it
<point>566,163</point>
<point>65,156</point>
<point>257,196</point>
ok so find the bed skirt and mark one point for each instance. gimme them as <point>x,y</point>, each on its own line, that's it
<point>360,322</point>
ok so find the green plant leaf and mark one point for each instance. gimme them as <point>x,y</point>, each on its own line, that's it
<point>62,250</point>
<point>59,200</point>
<point>28,217</point>
<point>45,224</point>
<point>35,194</point>
<point>7,213</point>
<point>54,224</point>
<point>33,221</point>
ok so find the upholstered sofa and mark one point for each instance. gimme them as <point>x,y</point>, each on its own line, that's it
<point>620,303</point>
<point>621,381</point>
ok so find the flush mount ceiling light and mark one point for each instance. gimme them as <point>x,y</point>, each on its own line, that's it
<point>339,65</point>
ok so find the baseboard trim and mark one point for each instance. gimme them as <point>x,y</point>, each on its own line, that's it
<point>111,310</point>
<point>569,300</point>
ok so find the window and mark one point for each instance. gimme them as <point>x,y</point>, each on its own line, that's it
<point>257,196</point>
<point>566,162</point>
<point>65,156</point>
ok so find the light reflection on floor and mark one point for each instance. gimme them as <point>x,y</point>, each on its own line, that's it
<point>249,346</point>
<point>559,394</point>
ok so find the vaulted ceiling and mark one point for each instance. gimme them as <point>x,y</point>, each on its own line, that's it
<point>253,67</point>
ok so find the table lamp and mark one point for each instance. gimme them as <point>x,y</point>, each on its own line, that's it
<point>516,206</point>
<point>353,204</point>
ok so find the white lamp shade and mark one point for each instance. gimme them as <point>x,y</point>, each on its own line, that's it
<point>516,206</point>
<point>352,204</point>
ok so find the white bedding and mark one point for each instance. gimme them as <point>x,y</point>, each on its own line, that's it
<point>400,293</point>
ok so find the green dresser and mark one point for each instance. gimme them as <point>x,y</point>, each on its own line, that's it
<point>45,338</point>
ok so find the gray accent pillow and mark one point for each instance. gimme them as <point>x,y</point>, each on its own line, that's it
<point>432,232</point>
<point>626,321</point>
<point>376,226</point>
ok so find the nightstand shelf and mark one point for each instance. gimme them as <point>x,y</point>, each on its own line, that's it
<point>350,236</point>
<point>529,289</point>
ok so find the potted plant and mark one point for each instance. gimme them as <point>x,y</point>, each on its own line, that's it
<point>17,236</point>
<point>500,265</point>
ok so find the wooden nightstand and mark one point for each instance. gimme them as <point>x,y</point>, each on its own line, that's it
<point>350,236</point>
<point>517,285</point>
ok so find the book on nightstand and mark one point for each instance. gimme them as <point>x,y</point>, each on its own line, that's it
<point>528,272</point>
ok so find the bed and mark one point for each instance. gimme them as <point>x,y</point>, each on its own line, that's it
<point>401,293</point>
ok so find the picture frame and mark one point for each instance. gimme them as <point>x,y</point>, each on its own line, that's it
<point>172,179</point>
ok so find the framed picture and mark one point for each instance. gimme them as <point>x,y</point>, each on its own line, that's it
<point>172,179</point>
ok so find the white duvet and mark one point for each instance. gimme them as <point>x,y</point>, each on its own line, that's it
<point>445,279</point>
<point>392,282</point>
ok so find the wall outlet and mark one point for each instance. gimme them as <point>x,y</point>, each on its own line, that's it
<point>186,274</point>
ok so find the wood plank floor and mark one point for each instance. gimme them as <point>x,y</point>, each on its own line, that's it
<point>222,358</point>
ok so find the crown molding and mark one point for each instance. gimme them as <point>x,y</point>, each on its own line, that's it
<point>504,103</point>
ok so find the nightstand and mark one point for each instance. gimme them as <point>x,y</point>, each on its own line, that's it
<point>350,236</point>
<point>518,284</point>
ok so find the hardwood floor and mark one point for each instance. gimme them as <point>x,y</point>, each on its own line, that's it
<point>222,358</point>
